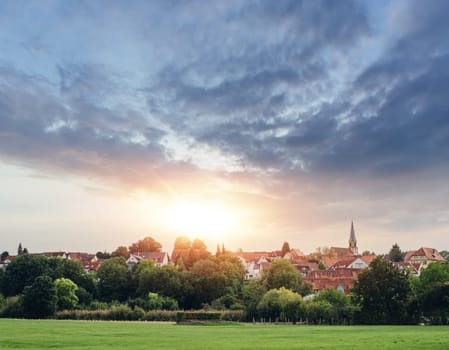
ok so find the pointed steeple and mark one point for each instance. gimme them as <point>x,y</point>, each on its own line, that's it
<point>353,241</point>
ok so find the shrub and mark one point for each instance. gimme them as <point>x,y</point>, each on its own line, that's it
<point>214,316</point>
<point>12,308</point>
<point>160,315</point>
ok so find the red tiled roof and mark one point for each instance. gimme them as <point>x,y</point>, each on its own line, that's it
<point>329,261</point>
<point>92,266</point>
<point>343,263</point>
<point>322,279</point>
<point>368,258</point>
<point>255,256</point>
<point>430,254</point>
<point>342,252</point>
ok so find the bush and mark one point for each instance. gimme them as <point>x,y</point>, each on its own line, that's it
<point>121,313</point>
<point>160,315</point>
<point>232,315</point>
<point>12,308</point>
<point>214,316</point>
<point>118,313</point>
<point>99,305</point>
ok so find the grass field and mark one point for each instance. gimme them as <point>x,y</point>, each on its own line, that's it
<point>46,334</point>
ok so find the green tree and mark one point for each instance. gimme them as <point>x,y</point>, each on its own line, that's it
<point>445,254</point>
<point>22,271</point>
<point>252,293</point>
<point>4,255</point>
<point>148,244</point>
<point>340,311</point>
<point>39,298</point>
<point>432,291</point>
<point>208,281</point>
<point>66,294</point>
<point>19,249</point>
<point>281,304</point>
<point>158,302</point>
<point>383,293</point>
<point>121,251</point>
<point>114,280</point>
<point>103,255</point>
<point>282,273</point>
<point>395,253</point>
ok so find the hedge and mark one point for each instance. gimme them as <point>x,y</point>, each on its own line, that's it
<point>125,313</point>
<point>214,316</point>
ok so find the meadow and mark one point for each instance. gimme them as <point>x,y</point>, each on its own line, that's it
<point>46,334</point>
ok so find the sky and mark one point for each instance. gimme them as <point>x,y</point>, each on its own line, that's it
<point>247,123</point>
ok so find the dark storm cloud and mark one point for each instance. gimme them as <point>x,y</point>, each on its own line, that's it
<point>407,124</point>
<point>73,134</point>
<point>399,122</point>
<point>257,80</point>
<point>257,65</point>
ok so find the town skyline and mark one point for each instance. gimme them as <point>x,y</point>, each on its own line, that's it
<point>245,123</point>
<point>352,246</point>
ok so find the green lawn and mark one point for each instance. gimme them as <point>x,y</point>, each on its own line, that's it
<point>46,334</point>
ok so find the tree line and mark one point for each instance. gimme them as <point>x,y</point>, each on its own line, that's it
<point>36,286</point>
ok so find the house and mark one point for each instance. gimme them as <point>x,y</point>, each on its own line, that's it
<point>423,257</point>
<point>5,262</point>
<point>160,258</point>
<point>90,266</point>
<point>414,269</point>
<point>340,279</point>
<point>350,263</point>
<point>293,254</point>
<point>254,263</point>
<point>60,254</point>
<point>368,258</point>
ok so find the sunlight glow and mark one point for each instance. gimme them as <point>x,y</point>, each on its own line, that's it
<point>201,219</point>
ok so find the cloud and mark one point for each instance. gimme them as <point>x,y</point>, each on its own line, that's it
<point>269,86</point>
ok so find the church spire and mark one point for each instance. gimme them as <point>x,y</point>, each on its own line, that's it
<point>353,241</point>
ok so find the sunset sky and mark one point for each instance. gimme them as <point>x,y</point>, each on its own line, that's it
<point>244,122</point>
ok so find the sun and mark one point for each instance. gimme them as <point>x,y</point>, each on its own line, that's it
<point>201,219</point>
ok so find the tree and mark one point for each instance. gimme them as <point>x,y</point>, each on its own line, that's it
<point>22,271</point>
<point>182,242</point>
<point>323,251</point>
<point>383,293</point>
<point>39,298</point>
<point>432,291</point>
<point>4,255</point>
<point>252,293</point>
<point>114,280</point>
<point>395,253</point>
<point>103,255</point>
<point>208,281</point>
<point>66,294</point>
<point>282,273</point>
<point>367,252</point>
<point>445,254</point>
<point>285,248</point>
<point>19,249</point>
<point>121,251</point>
<point>281,304</point>
<point>339,309</point>
<point>148,244</point>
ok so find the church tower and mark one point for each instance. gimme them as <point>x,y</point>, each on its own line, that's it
<point>353,241</point>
